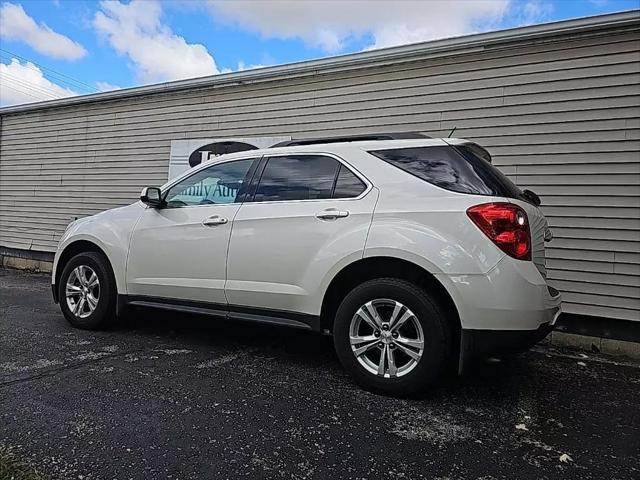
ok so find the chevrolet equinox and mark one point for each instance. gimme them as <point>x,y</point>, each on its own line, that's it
<point>414,253</point>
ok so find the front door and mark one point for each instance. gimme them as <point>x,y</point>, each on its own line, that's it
<point>180,251</point>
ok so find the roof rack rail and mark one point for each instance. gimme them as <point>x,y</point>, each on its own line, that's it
<point>352,138</point>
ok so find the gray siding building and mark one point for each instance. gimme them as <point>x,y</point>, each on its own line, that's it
<point>557,105</point>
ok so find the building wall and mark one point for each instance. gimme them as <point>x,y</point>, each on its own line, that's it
<point>560,117</point>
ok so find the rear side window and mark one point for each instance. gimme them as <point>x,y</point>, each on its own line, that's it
<point>462,169</point>
<point>297,177</point>
<point>306,177</point>
<point>348,185</point>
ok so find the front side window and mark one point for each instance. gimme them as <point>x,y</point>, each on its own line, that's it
<point>218,184</point>
<point>297,177</point>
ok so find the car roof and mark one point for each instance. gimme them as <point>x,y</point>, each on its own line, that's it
<point>337,147</point>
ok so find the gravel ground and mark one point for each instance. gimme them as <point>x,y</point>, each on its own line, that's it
<point>181,397</point>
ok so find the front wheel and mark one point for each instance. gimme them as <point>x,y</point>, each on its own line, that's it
<point>392,337</point>
<point>87,291</point>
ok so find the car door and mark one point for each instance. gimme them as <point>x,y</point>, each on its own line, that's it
<point>307,214</point>
<point>180,251</point>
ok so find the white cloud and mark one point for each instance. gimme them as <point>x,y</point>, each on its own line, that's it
<point>156,53</point>
<point>243,66</point>
<point>534,11</point>
<point>15,24</point>
<point>25,83</point>
<point>329,25</point>
<point>106,87</point>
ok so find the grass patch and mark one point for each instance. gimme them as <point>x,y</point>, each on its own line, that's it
<point>12,468</point>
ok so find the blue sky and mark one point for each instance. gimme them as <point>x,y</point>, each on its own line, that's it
<point>54,48</point>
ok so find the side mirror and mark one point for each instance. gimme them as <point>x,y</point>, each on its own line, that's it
<point>151,196</point>
<point>532,197</point>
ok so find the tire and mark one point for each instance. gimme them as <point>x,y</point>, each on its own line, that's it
<point>423,314</point>
<point>103,295</point>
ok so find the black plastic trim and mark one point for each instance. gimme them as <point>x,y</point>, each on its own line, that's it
<point>245,189</point>
<point>352,138</point>
<point>276,317</point>
<point>255,180</point>
<point>484,343</point>
<point>505,341</point>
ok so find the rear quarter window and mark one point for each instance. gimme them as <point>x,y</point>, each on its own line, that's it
<point>347,184</point>
<point>458,169</point>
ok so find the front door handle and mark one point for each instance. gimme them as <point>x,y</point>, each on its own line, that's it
<point>332,214</point>
<point>213,221</point>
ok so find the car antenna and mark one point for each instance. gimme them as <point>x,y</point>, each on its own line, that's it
<point>451,132</point>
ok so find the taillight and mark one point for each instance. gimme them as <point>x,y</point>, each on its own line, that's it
<point>507,226</point>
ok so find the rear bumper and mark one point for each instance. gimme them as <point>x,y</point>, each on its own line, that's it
<point>478,343</point>
<point>512,296</point>
<point>506,311</point>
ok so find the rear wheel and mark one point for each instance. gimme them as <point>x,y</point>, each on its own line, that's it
<point>87,291</point>
<point>392,336</point>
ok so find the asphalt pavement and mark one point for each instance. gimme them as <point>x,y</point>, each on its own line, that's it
<point>175,396</point>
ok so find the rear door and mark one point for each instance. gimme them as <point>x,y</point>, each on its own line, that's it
<point>308,214</point>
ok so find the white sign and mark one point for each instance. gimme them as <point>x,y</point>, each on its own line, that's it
<point>186,154</point>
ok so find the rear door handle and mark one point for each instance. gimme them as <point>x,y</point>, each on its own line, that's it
<point>213,221</point>
<point>332,214</point>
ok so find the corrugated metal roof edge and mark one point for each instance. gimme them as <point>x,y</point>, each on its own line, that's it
<point>449,46</point>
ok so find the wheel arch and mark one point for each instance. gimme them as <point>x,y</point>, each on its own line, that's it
<point>369,268</point>
<point>73,249</point>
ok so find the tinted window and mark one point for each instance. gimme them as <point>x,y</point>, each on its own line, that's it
<point>458,169</point>
<point>213,185</point>
<point>297,177</point>
<point>348,185</point>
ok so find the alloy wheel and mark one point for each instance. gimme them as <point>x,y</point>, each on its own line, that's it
<point>386,338</point>
<point>82,291</point>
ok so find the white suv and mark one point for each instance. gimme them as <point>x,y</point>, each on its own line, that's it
<point>414,253</point>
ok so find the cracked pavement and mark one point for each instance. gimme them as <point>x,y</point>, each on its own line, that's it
<point>167,395</point>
